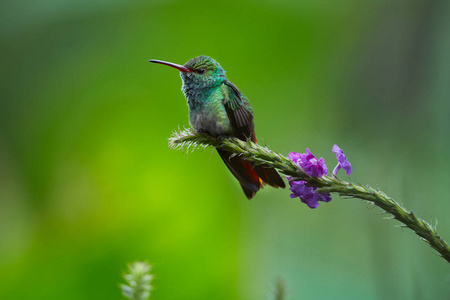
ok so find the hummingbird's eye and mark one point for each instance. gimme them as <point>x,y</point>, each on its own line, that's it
<point>201,71</point>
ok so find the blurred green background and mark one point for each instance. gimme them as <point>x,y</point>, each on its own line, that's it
<point>88,183</point>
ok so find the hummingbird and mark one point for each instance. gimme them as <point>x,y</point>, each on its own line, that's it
<point>218,108</point>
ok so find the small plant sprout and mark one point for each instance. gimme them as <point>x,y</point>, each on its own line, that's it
<point>138,280</point>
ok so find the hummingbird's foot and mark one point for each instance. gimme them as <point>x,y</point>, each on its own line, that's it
<point>223,137</point>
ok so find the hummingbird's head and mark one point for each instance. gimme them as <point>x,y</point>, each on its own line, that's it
<point>205,72</point>
<point>199,73</point>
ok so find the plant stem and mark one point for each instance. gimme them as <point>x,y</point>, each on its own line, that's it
<point>187,138</point>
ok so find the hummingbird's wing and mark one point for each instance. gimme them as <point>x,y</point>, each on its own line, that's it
<point>240,115</point>
<point>239,112</point>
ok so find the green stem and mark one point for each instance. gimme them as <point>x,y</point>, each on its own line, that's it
<point>262,155</point>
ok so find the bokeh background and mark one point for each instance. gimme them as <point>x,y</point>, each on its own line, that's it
<point>88,183</point>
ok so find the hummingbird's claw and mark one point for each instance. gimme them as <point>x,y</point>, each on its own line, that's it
<point>223,137</point>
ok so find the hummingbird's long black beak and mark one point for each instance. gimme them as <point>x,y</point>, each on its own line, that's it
<point>179,67</point>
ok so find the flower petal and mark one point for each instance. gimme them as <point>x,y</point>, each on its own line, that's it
<point>342,160</point>
<point>309,163</point>
<point>307,194</point>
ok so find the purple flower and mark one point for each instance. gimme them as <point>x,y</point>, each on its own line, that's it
<point>309,163</point>
<point>314,168</point>
<point>342,161</point>
<point>307,194</point>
